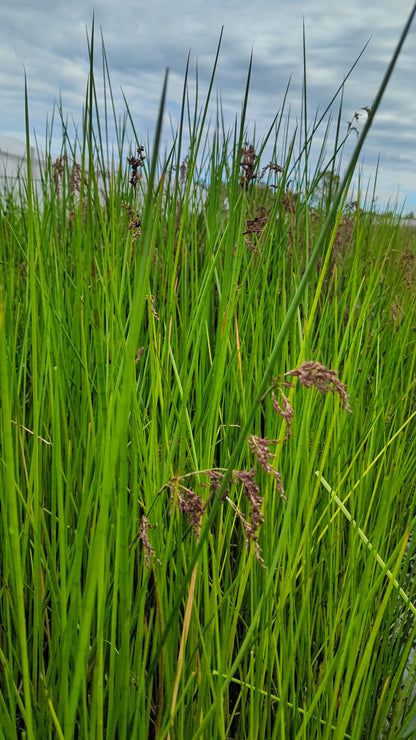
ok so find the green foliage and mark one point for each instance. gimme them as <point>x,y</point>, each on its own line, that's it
<point>197,538</point>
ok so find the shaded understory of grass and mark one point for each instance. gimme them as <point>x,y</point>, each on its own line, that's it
<point>208,443</point>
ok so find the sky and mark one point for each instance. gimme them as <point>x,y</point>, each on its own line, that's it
<point>48,41</point>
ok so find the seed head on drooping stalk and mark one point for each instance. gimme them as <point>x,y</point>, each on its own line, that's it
<point>326,381</point>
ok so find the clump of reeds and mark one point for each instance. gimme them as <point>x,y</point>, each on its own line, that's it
<point>156,450</point>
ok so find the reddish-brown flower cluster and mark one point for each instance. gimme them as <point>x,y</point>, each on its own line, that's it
<point>136,163</point>
<point>326,381</point>
<point>149,552</point>
<point>189,504</point>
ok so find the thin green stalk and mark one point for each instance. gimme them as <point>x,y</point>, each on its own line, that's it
<point>367,542</point>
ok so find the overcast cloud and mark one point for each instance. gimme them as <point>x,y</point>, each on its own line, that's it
<point>143,39</point>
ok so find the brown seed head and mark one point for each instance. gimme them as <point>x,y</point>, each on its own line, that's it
<point>325,380</point>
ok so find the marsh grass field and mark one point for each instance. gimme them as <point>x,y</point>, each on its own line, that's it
<point>208,438</point>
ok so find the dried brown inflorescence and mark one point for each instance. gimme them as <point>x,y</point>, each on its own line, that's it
<point>255,226</point>
<point>312,374</point>
<point>247,164</point>
<point>272,167</point>
<point>139,354</point>
<point>259,446</point>
<point>135,224</point>
<point>251,491</point>
<point>343,239</point>
<point>189,504</point>
<point>58,169</point>
<point>183,169</point>
<point>149,552</point>
<point>407,264</point>
<point>216,477</point>
<point>356,118</point>
<point>289,201</point>
<point>152,306</point>
<point>285,410</point>
<point>136,163</point>
<point>76,180</point>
